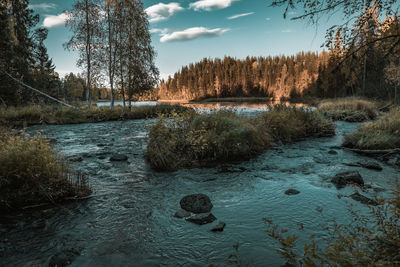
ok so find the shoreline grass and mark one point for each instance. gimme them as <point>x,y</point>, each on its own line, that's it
<point>33,115</point>
<point>31,173</point>
<point>199,140</point>
<point>381,134</point>
<point>350,109</point>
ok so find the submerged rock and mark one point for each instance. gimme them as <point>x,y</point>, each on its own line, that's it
<point>332,152</point>
<point>196,203</point>
<point>363,199</point>
<point>371,165</point>
<point>75,159</point>
<point>118,157</point>
<point>219,227</point>
<point>345,178</point>
<point>201,218</point>
<point>182,214</point>
<point>292,192</point>
<point>64,257</point>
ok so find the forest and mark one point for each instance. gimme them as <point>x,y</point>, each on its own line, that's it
<point>369,67</point>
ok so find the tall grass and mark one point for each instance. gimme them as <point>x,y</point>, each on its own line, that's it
<point>31,173</point>
<point>191,139</point>
<point>31,115</point>
<point>381,134</point>
<point>349,109</point>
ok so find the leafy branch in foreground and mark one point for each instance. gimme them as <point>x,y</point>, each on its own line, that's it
<point>372,240</point>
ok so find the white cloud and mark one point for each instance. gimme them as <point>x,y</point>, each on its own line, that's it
<point>162,11</point>
<point>192,33</point>
<point>159,31</point>
<point>268,19</point>
<point>54,21</point>
<point>209,5</point>
<point>43,6</point>
<point>287,31</point>
<point>240,15</point>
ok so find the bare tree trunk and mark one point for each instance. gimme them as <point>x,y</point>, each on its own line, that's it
<point>364,75</point>
<point>88,56</point>
<point>111,58</point>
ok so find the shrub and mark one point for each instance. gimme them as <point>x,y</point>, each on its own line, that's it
<point>192,139</point>
<point>288,124</point>
<point>30,172</point>
<point>349,109</point>
<point>381,134</point>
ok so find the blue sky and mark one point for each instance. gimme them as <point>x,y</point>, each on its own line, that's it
<point>185,31</point>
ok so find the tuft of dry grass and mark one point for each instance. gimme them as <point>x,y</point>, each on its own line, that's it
<point>381,134</point>
<point>349,109</point>
<point>31,173</point>
<point>190,139</point>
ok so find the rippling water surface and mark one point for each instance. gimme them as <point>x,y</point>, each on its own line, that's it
<point>129,222</point>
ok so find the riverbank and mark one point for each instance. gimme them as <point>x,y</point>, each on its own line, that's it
<point>31,173</point>
<point>35,114</point>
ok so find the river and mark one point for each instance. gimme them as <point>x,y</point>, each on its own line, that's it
<point>129,220</point>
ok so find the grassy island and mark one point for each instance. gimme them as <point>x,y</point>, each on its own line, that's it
<point>191,139</point>
<point>349,109</point>
<point>381,134</point>
<point>31,173</point>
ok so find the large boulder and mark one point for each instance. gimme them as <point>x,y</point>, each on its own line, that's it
<point>201,218</point>
<point>196,203</point>
<point>219,227</point>
<point>344,178</point>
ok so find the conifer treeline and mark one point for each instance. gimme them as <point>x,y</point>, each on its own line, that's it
<point>369,66</point>
<point>278,77</point>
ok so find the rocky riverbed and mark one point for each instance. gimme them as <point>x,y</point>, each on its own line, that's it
<point>129,220</point>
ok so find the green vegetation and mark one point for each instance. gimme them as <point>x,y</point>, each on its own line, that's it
<point>381,134</point>
<point>31,173</point>
<point>370,240</point>
<point>31,115</point>
<point>349,109</point>
<point>192,139</point>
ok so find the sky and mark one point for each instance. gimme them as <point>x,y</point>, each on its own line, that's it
<point>186,31</point>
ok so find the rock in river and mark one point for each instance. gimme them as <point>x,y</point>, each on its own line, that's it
<point>196,203</point>
<point>345,178</point>
<point>118,157</point>
<point>292,192</point>
<point>219,227</point>
<point>363,199</point>
<point>201,218</point>
<point>64,257</point>
<point>182,214</point>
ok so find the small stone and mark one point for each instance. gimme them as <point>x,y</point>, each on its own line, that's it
<point>219,227</point>
<point>201,218</point>
<point>64,257</point>
<point>75,159</point>
<point>363,199</point>
<point>292,192</point>
<point>182,214</point>
<point>196,203</point>
<point>345,178</point>
<point>102,157</point>
<point>332,152</point>
<point>119,157</point>
<point>371,165</point>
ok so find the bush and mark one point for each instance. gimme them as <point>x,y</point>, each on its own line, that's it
<point>349,109</point>
<point>381,134</point>
<point>192,139</point>
<point>30,172</point>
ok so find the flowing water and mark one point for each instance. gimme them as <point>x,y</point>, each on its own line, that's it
<point>129,220</point>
